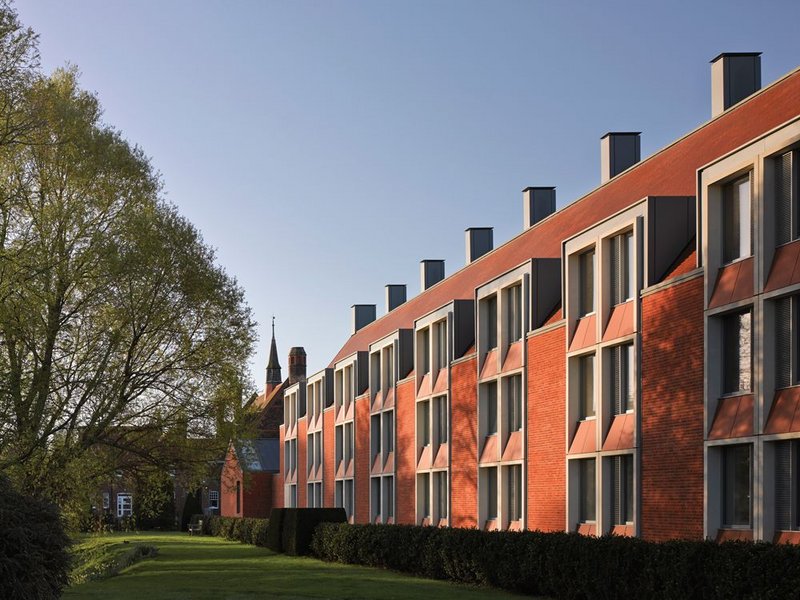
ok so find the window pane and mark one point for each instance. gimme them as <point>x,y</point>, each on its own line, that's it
<point>737,359</point>
<point>514,402</point>
<point>587,489</point>
<point>736,226</point>
<point>630,275</point>
<point>425,350</point>
<point>514,493</point>
<point>587,407</point>
<point>491,322</point>
<point>737,485</point>
<point>491,493</point>
<point>514,313</point>
<point>424,422</point>
<point>586,275</point>
<point>491,407</point>
<point>441,345</point>
<point>389,496</point>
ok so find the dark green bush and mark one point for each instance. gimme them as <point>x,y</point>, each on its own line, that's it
<point>275,532</point>
<point>299,524</point>
<point>245,530</point>
<point>34,562</point>
<point>567,565</point>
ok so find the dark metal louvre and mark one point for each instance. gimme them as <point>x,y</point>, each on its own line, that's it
<point>783,342</point>
<point>783,485</point>
<point>784,229</point>
<point>616,268</point>
<point>617,491</point>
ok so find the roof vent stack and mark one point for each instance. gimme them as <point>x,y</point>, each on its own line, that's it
<point>395,295</point>
<point>431,272</point>
<point>479,242</point>
<point>363,315</point>
<point>619,150</point>
<point>537,204</point>
<point>734,76</point>
<point>297,364</point>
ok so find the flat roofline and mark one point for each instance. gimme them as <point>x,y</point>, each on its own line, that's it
<point>723,54</point>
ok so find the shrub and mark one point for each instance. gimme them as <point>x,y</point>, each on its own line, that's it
<point>34,559</point>
<point>275,532</point>
<point>299,524</point>
<point>245,530</point>
<point>568,565</point>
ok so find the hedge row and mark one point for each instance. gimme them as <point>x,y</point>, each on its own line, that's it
<point>245,530</point>
<point>291,529</point>
<point>570,566</point>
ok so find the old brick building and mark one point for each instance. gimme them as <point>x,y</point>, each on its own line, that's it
<point>626,364</point>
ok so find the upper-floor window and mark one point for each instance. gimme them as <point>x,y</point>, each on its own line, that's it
<point>388,431</point>
<point>787,215</point>
<point>375,371</point>
<point>339,444</point>
<point>514,313</point>
<point>388,366</point>
<point>424,422</point>
<point>513,402</point>
<point>736,220</point>
<point>622,276</point>
<point>787,369</point>
<point>491,321</point>
<point>490,406</point>
<point>440,341</point>
<point>737,485</point>
<point>440,418</point>
<point>586,386</point>
<point>424,350</point>
<point>348,385</point>
<point>586,283</point>
<point>622,380</point>
<point>737,363</point>
<point>348,442</point>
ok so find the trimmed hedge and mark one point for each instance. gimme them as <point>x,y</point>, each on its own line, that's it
<point>245,530</point>
<point>275,531</point>
<point>568,565</point>
<point>299,524</point>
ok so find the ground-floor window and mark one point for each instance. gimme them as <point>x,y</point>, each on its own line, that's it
<point>737,485</point>
<point>787,485</point>
<point>587,490</point>
<point>213,499</point>
<point>622,489</point>
<point>124,505</point>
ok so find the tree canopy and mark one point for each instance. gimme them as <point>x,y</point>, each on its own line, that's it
<point>122,341</point>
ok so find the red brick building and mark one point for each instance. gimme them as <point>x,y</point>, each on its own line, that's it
<point>627,364</point>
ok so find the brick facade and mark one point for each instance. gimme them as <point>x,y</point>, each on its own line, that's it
<point>464,468</point>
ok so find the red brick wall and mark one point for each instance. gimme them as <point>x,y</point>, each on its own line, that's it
<point>231,473</point>
<point>302,468</point>
<point>361,433</point>
<point>464,427</point>
<point>405,451</point>
<point>672,413</point>
<point>328,458</point>
<point>546,422</point>
<point>257,495</point>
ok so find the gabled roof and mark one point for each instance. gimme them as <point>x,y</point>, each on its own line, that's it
<point>671,171</point>
<point>261,455</point>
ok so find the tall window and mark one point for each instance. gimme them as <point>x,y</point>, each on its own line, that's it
<point>318,449</point>
<point>388,432</point>
<point>440,418</point>
<point>786,197</point>
<point>622,275</point>
<point>587,483</point>
<point>491,493</point>
<point>787,485</point>
<point>491,321</point>
<point>622,381</point>
<point>586,285</point>
<point>737,354</point>
<point>213,499</point>
<point>514,313</point>
<point>375,371</point>
<point>425,493</point>
<point>586,386</point>
<point>348,498</point>
<point>348,442</point>
<point>514,402</point>
<point>424,422</point>
<point>388,366</point>
<point>440,331</point>
<point>514,493</point>
<point>622,489</point>
<point>375,435</point>
<point>440,483</point>
<point>787,372</point>
<point>388,497</point>
<point>425,350</point>
<point>125,504</point>
<point>490,406</point>
<point>375,497</point>
<point>737,484</point>
<point>736,220</point>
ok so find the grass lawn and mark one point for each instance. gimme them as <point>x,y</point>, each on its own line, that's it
<point>198,567</point>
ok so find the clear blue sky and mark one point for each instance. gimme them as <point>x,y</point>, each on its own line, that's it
<point>325,148</point>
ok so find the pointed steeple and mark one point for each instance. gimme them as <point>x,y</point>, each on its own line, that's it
<point>273,366</point>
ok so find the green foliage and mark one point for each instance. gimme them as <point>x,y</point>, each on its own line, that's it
<point>299,524</point>
<point>192,506</point>
<point>34,561</point>
<point>275,533</point>
<point>99,558</point>
<point>566,565</point>
<point>245,530</point>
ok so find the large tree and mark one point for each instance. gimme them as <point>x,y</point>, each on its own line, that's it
<point>120,336</point>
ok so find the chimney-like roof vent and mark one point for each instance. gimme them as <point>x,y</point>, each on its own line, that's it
<point>431,272</point>
<point>395,295</point>
<point>537,204</point>
<point>619,150</point>
<point>479,241</point>
<point>734,76</point>
<point>363,315</point>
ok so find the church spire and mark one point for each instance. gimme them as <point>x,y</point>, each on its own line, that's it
<point>273,366</point>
